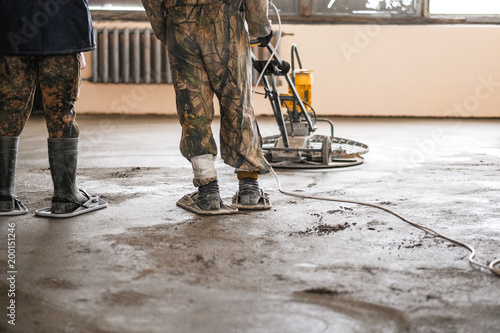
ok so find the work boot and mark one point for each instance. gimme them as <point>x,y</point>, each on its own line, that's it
<point>249,192</point>
<point>8,158</point>
<point>63,156</point>
<point>209,197</point>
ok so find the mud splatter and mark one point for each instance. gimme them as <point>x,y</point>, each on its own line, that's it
<point>57,283</point>
<point>323,229</point>
<point>124,298</point>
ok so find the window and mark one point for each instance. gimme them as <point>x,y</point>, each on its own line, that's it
<point>287,7</point>
<point>461,7</point>
<point>115,5</point>
<point>343,11</point>
<point>364,7</point>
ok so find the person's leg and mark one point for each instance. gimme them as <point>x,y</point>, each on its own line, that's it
<point>17,89</point>
<point>227,55</point>
<point>59,78</point>
<point>17,86</point>
<point>194,95</point>
<point>194,98</point>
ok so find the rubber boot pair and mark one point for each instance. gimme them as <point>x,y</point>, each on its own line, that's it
<point>207,200</point>
<point>9,203</point>
<point>249,195</point>
<point>68,200</point>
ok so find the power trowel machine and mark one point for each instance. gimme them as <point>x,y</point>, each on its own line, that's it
<point>296,146</point>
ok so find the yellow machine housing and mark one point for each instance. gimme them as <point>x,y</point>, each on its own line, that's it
<point>303,85</point>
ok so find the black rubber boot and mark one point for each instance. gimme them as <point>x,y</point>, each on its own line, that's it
<point>249,192</point>
<point>8,158</point>
<point>63,157</point>
<point>209,196</point>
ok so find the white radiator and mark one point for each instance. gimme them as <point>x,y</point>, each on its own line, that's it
<point>126,55</point>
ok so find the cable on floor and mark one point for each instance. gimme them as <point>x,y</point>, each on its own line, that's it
<point>491,267</point>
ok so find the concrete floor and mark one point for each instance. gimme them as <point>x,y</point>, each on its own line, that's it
<point>145,265</point>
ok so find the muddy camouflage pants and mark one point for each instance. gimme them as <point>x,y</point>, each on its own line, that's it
<point>59,80</point>
<point>209,54</point>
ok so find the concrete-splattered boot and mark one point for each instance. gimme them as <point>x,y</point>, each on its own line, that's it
<point>206,200</point>
<point>63,157</point>
<point>9,204</point>
<point>209,196</point>
<point>250,195</point>
<point>205,178</point>
<point>249,190</point>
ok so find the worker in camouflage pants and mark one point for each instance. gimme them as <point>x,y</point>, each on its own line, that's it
<point>41,44</point>
<point>59,79</point>
<point>209,53</point>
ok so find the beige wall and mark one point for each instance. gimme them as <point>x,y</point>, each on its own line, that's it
<point>363,70</point>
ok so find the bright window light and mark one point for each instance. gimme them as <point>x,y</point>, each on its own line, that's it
<point>464,7</point>
<point>115,5</point>
<point>117,8</point>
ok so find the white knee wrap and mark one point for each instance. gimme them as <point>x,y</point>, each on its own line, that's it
<point>203,166</point>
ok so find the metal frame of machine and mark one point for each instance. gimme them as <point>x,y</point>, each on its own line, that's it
<point>296,146</point>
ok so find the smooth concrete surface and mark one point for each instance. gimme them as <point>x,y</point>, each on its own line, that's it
<point>145,265</point>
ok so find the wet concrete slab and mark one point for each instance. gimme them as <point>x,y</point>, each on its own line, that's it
<point>145,265</point>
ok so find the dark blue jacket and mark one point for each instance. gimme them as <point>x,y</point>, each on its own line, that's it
<point>45,27</point>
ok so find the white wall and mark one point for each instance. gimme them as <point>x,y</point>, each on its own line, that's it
<point>363,70</point>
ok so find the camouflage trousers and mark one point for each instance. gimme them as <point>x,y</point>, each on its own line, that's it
<point>209,53</point>
<point>59,79</point>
